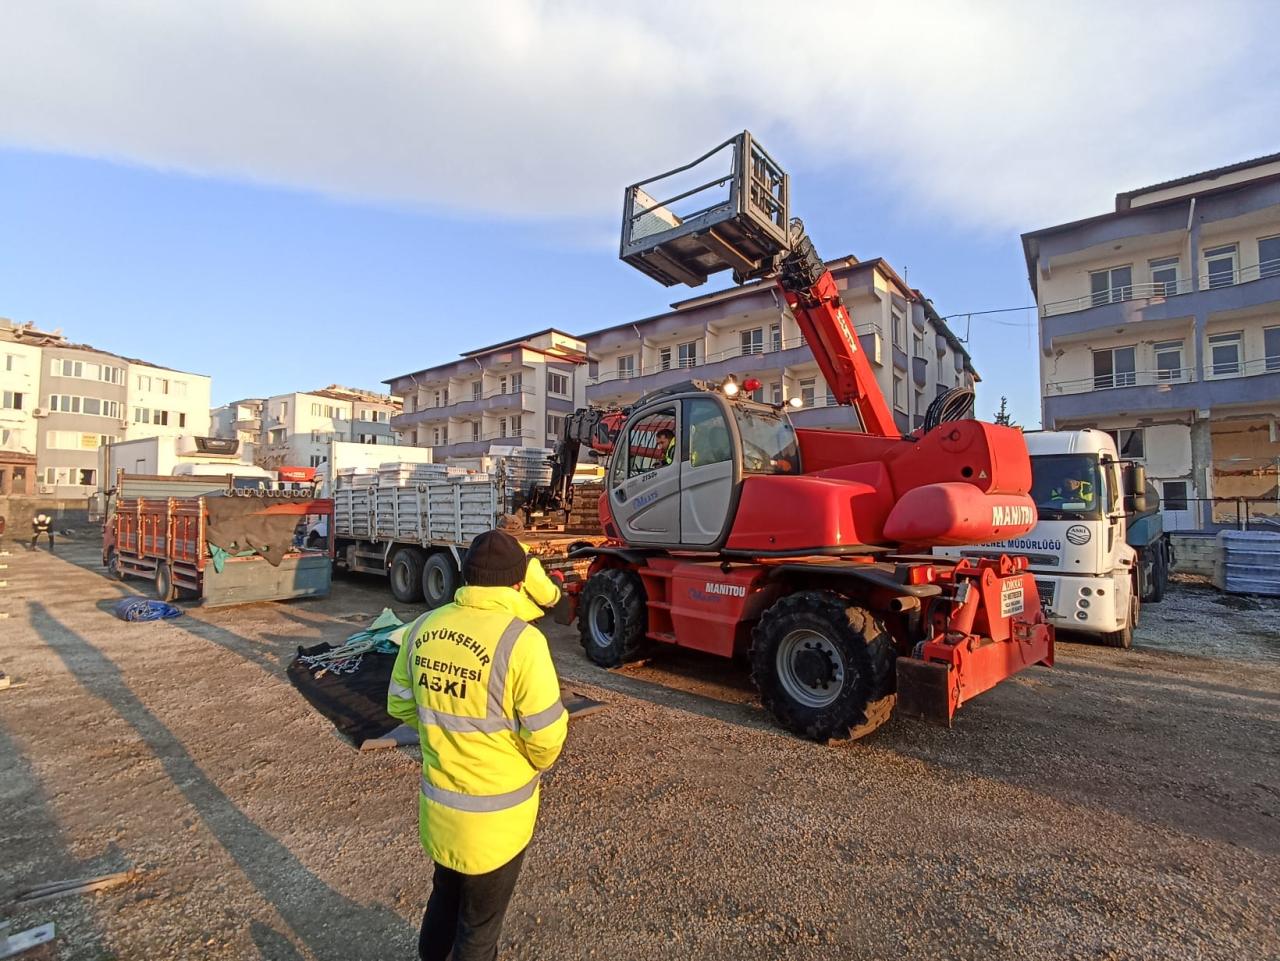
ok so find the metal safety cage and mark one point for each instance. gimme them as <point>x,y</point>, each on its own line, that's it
<point>738,220</point>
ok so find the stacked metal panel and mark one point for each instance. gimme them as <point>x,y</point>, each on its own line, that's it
<point>1250,562</point>
<point>521,469</point>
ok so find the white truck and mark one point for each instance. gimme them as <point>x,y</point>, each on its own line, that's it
<point>1099,549</point>
<point>402,517</point>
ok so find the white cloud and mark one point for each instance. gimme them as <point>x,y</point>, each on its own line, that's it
<point>994,114</point>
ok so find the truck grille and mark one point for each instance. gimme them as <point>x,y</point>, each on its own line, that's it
<point>1045,589</point>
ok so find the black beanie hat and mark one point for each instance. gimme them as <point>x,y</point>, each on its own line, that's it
<point>494,559</point>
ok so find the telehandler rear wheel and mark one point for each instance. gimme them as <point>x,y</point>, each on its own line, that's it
<point>611,617</point>
<point>823,668</point>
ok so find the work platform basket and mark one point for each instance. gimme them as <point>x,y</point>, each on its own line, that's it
<point>737,220</point>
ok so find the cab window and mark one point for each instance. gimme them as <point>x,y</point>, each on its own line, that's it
<point>707,439</point>
<point>651,442</point>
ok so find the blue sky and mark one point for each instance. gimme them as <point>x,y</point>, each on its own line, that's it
<point>284,195</point>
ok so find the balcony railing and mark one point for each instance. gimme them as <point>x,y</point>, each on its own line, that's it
<point>1153,291</point>
<point>1133,378</point>
<point>715,357</point>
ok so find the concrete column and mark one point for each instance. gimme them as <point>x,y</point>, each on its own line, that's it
<point>1194,245</point>
<point>1202,465</point>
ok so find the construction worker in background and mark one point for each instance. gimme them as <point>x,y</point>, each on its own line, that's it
<point>477,681</point>
<point>1074,489</point>
<point>667,444</point>
<point>41,524</point>
<point>540,588</point>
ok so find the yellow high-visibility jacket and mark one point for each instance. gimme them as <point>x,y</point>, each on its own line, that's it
<point>478,683</point>
<point>542,590</point>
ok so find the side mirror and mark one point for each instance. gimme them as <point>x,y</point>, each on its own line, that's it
<point>1135,503</point>
<point>1133,479</point>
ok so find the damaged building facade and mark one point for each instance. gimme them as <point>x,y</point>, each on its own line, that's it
<point>1160,322</point>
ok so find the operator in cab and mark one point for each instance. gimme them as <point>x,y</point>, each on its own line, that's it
<point>541,588</point>
<point>1074,489</point>
<point>667,445</point>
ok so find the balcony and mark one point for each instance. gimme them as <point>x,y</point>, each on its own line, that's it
<point>717,366</point>
<point>1218,292</point>
<point>493,400</point>
<point>1256,382</point>
<point>920,371</point>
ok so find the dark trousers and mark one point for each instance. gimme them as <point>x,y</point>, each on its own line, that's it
<point>465,911</point>
<point>36,536</point>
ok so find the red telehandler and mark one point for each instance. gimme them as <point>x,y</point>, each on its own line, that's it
<point>735,533</point>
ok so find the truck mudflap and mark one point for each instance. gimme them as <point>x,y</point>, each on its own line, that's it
<point>243,580</point>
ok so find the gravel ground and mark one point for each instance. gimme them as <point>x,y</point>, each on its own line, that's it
<point>1119,805</point>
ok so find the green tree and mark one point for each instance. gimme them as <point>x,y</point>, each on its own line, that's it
<point>1003,416</point>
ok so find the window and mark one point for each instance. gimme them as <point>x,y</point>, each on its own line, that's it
<point>144,382</point>
<point>315,410</point>
<point>1220,266</point>
<point>315,436</point>
<point>899,400</point>
<point>64,403</point>
<point>768,441</point>
<point>277,436</point>
<point>160,417</point>
<point>141,415</point>
<point>555,425</point>
<point>476,388</point>
<point>664,358</point>
<point>162,384</point>
<point>917,346</point>
<point>899,328</point>
<point>179,388</point>
<point>1269,257</point>
<point>752,341</point>
<point>1111,285</point>
<point>1114,368</point>
<point>517,383</point>
<point>1168,361</point>
<point>689,354</point>
<point>475,430</point>
<point>1224,354</point>
<point>626,366</point>
<point>12,400</point>
<point>649,440</point>
<point>775,393</point>
<point>435,437</point>
<point>557,384</point>
<point>284,409</point>
<point>444,434</point>
<point>92,405</point>
<point>317,460</point>
<point>1271,347</point>
<point>87,478</point>
<point>12,362</point>
<point>1131,443</point>
<point>775,336</point>
<point>1174,496</point>
<point>830,399</point>
<point>67,368</point>
<point>808,392</point>
<point>502,427</point>
<point>1164,277</point>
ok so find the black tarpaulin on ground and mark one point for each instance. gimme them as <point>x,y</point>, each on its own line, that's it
<point>238,524</point>
<point>356,703</point>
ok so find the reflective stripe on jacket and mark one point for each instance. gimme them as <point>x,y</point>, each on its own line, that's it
<point>542,590</point>
<point>478,683</point>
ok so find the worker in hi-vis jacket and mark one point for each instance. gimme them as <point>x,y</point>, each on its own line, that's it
<point>477,681</point>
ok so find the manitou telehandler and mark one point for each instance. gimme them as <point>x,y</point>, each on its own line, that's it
<point>733,532</point>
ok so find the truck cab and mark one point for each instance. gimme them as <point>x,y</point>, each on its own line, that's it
<point>1086,571</point>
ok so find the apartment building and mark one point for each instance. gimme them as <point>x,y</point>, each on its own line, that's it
<point>515,393</point>
<point>749,332</point>
<point>240,420</point>
<point>65,400</point>
<point>1160,321</point>
<point>19,395</point>
<point>294,430</point>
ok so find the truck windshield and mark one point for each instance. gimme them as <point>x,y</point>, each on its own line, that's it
<point>768,442</point>
<point>1066,486</point>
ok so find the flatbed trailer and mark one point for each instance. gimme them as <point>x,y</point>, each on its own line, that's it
<point>416,533</point>
<point>163,536</point>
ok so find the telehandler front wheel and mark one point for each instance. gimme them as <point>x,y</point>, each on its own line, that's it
<point>612,617</point>
<point>823,668</point>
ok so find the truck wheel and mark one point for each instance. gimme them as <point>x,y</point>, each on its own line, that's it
<point>1159,576</point>
<point>165,590</point>
<point>439,579</point>
<point>612,617</point>
<point>406,576</point>
<point>823,668</point>
<point>1123,639</point>
<point>112,565</point>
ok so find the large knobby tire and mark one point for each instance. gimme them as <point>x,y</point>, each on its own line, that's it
<point>112,564</point>
<point>824,669</point>
<point>165,590</point>
<point>440,579</point>
<point>612,618</point>
<point>1123,639</point>
<point>405,576</point>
